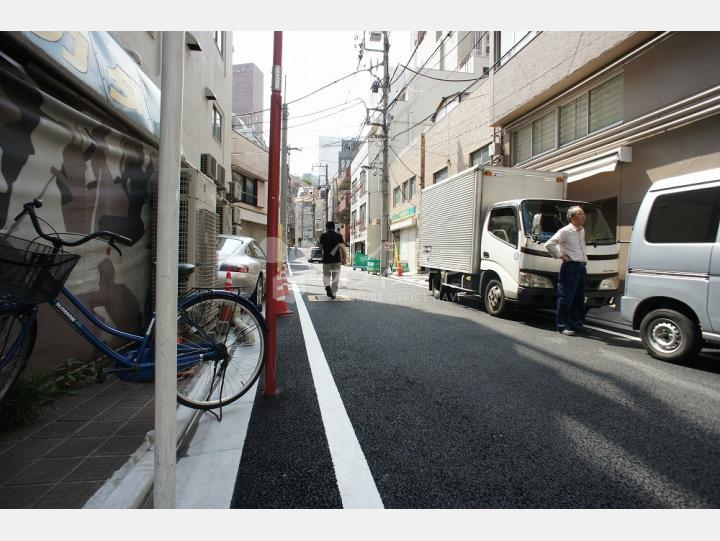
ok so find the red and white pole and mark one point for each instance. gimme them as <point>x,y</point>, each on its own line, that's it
<point>270,382</point>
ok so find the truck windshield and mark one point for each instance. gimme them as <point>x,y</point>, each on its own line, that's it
<point>542,219</point>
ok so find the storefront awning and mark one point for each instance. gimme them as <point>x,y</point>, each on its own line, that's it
<point>598,164</point>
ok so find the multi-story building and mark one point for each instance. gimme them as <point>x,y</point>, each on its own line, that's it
<point>616,111</point>
<point>305,217</point>
<point>366,197</point>
<point>416,101</point>
<point>463,51</point>
<point>206,147</point>
<point>247,193</point>
<point>248,101</point>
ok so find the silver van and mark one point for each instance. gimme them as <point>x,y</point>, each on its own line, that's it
<point>672,289</point>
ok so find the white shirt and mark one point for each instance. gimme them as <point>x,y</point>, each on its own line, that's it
<point>569,241</point>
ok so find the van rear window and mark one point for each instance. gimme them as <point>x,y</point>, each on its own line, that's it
<point>685,217</point>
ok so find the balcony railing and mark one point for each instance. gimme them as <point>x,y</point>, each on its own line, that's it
<point>344,204</point>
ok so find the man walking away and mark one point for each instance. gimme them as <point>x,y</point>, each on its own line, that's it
<point>333,249</point>
<point>568,244</point>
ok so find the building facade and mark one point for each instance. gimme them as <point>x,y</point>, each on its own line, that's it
<point>248,194</point>
<point>616,111</point>
<point>248,101</point>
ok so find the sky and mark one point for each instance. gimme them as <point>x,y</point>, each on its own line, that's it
<point>312,59</point>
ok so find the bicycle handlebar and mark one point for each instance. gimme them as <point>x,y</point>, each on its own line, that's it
<point>112,238</point>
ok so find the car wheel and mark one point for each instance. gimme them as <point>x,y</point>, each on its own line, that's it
<point>258,295</point>
<point>494,297</point>
<point>670,336</point>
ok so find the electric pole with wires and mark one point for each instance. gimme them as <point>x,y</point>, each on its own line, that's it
<point>385,171</point>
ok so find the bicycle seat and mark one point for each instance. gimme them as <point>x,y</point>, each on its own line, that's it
<point>185,270</point>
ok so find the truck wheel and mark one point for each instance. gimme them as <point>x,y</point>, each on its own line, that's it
<point>436,286</point>
<point>448,294</point>
<point>670,336</point>
<point>494,297</point>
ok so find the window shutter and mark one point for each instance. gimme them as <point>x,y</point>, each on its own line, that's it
<point>522,148</point>
<point>543,134</point>
<point>606,103</point>
<point>573,120</point>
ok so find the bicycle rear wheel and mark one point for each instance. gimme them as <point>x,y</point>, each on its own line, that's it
<point>16,343</point>
<point>231,327</point>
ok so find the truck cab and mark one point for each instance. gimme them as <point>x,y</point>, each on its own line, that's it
<point>523,271</point>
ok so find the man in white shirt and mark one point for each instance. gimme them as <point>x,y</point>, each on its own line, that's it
<point>568,244</point>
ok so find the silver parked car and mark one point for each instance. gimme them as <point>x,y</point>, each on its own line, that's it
<point>245,260</point>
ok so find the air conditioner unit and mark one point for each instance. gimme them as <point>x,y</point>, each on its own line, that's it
<point>213,168</point>
<point>198,227</point>
<point>220,180</point>
<point>207,166</point>
<point>235,191</point>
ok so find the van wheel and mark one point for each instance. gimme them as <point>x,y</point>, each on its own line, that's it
<point>670,336</point>
<point>494,297</point>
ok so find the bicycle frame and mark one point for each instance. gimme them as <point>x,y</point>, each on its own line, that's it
<point>10,353</point>
<point>139,358</point>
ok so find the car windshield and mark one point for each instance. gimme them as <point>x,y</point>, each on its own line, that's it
<point>227,246</point>
<point>542,219</point>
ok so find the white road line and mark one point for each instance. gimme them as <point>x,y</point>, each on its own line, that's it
<point>621,335</point>
<point>355,482</point>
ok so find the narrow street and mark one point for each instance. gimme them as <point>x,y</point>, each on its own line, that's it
<point>452,408</point>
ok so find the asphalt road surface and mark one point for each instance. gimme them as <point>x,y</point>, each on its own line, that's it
<point>451,408</point>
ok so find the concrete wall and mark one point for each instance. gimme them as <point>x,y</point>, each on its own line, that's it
<point>550,63</point>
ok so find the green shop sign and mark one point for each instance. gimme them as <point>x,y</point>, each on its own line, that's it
<point>403,215</point>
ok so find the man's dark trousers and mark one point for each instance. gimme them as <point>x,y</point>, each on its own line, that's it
<point>571,296</point>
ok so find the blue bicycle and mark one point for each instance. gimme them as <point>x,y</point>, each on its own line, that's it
<point>220,334</point>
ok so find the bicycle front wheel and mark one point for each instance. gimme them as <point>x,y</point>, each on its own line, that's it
<point>232,332</point>
<point>18,329</point>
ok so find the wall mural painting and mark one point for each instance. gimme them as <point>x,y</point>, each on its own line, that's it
<point>90,177</point>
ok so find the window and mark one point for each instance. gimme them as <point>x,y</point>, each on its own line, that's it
<point>411,188</point>
<point>543,134</point>
<point>397,198</point>
<point>362,213</point>
<point>685,217</point>
<point>592,111</point>
<point>606,103</point>
<point>510,42</point>
<point>258,251</point>
<point>522,144</point>
<point>480,156</point>
<point>440,175</point>
<point>248,188</point>
<point>353,217</point>
<point>217,124</point>
<point>574,120</point>
<point>503,224</point>
<point>218,39</point>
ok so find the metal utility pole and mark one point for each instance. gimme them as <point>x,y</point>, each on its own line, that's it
<point>327,189</point>
<point>173,48</point>
<point>271,269</point>
<point>327,186</point>
<point>386,142</point>
<point>284,179</point>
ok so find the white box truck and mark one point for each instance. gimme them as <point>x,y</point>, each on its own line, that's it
<point>482,232</point>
